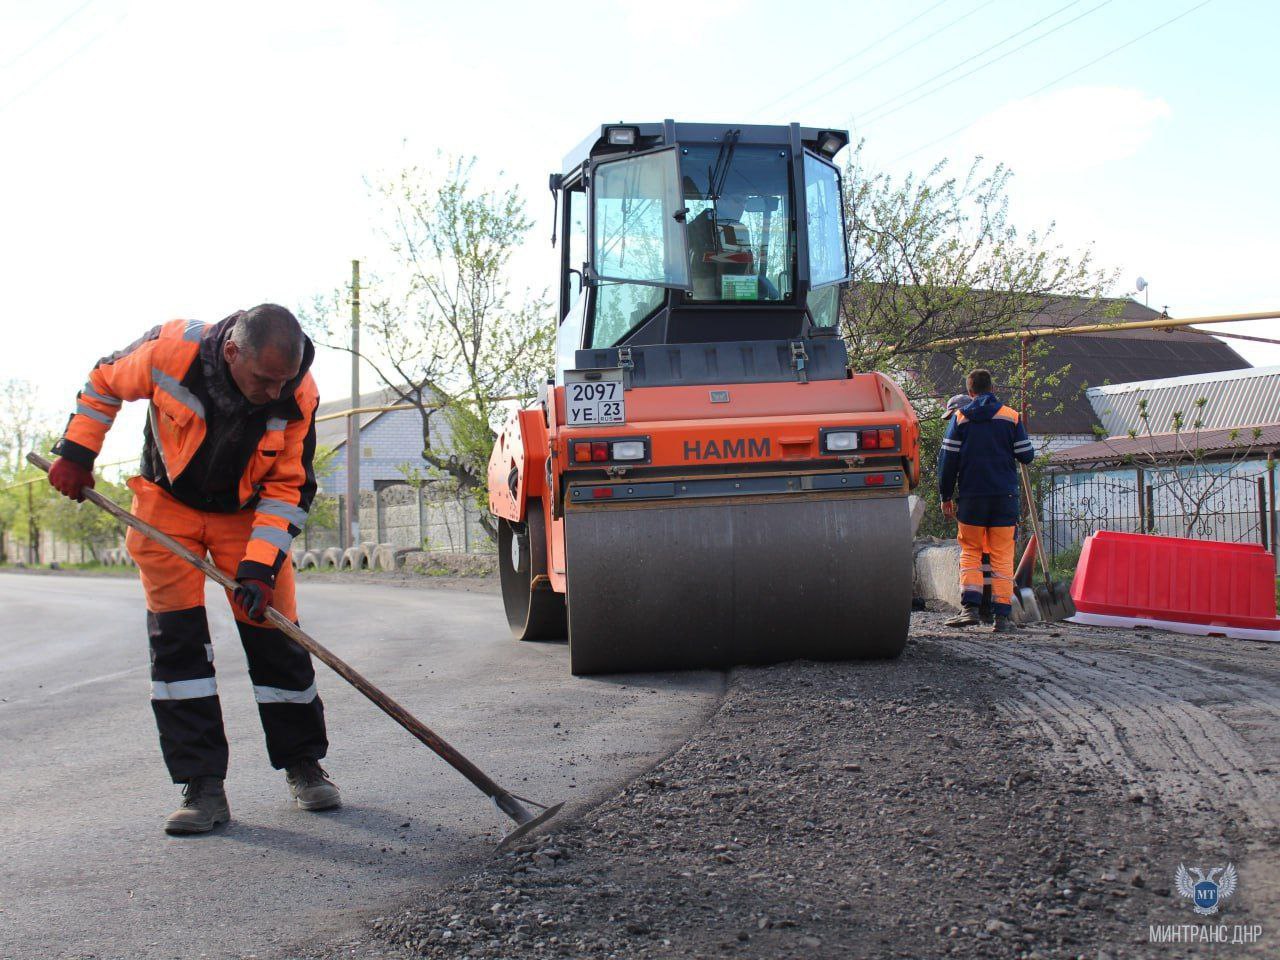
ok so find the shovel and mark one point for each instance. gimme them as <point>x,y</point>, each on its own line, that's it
<point>1052,599</point>
<point>511,805</point>
<point>1025,607</point>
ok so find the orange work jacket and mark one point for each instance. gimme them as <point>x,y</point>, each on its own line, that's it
<point>278,482</point>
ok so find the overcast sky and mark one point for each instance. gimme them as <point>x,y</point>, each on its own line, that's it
<point>167,159</point>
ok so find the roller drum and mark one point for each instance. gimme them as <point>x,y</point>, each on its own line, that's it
<point>696,585</point>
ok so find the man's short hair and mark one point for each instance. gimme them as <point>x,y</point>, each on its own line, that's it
<point>979,381</point>
<point>268,324</point>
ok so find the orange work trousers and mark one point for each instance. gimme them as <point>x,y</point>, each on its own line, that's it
<point>184,690</point>
<point>997,543</point>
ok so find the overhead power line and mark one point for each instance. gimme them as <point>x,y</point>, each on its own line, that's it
<point>1114,50</point>
<point>994,60</point>
<point>46,35</point>
<point>1070,73</point>
<point>956,66</point>
<point>847,60</point>
<point>61,63</point>
<point>894,56</point>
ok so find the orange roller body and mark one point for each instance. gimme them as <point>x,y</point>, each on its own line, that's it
<point>705,481</point>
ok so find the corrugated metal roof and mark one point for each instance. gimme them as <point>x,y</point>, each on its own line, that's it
<point>1169,446</point>
<point>1233,398</point>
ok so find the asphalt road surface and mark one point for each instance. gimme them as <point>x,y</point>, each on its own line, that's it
<point>86,871</point>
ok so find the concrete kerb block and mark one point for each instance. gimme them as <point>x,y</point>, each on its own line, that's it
<point>308,560</point>
<point>937,572</point>
<point>366,556</point>
<point>331,558</point>
<point>916,507</point>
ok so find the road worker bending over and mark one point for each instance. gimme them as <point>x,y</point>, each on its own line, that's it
<point>978,463</point>
<point>226,469</point>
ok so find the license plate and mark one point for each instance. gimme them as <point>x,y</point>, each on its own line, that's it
<point>594,398</point>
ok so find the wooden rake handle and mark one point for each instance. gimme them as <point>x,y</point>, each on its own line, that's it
<point>505,802</point>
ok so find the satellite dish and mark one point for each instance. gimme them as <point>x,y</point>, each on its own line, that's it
<point>1141,284</point>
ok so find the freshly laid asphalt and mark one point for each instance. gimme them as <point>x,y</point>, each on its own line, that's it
<point>86,871</point>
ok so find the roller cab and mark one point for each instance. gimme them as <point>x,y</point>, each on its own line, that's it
<point>704,482</point>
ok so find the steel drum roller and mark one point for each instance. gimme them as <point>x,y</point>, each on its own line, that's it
<point>680,586</point>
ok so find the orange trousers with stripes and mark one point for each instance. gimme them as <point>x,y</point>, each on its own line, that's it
<point>184,686</point>
<point>171,583</point>
<point>997,543</point>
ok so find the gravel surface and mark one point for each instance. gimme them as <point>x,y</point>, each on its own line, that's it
<point>981,797</point>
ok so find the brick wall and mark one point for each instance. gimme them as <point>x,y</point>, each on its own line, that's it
<point>393,439</point>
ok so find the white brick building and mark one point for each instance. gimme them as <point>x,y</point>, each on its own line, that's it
<point>388,441</point>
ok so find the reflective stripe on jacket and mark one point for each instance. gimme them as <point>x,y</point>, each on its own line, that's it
<point>982,443</point>
<point>277,482</point>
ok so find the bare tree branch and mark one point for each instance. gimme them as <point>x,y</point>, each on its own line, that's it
<point>442,336</point>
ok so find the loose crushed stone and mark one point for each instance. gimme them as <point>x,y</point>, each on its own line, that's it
<point>855,810</point>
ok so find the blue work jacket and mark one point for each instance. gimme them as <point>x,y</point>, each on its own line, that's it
<point>983,441</point>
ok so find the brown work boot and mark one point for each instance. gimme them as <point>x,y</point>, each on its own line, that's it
<point>966,618</point>
<point>1004,625</point>
<point>204,806</point>
<point>311,786</point>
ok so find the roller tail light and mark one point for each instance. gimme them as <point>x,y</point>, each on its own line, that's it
<point>609,451</point>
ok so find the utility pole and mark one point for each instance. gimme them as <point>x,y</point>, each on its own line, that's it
<point>33,531</point>
<point>353,419</point>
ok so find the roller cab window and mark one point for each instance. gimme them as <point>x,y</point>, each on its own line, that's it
<point>827,244</point>
<point>638,242</point>
<point>741,243</point>
<point>828,253</point>
<point>639,234</point>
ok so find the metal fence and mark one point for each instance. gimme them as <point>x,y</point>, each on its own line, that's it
<point>1233,502</point>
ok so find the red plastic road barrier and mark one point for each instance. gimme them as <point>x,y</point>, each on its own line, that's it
<point>1189,586</point>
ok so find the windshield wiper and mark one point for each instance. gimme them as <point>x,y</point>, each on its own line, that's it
<point>717,173</point>
<point>716,176</point>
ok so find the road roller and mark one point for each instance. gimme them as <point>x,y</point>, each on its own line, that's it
<point>705,482</point>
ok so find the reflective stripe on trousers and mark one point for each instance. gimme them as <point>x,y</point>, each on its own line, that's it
<point>184,689</point>
<point>277,695</point>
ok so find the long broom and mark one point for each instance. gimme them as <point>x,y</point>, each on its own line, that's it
<point>507,802</point>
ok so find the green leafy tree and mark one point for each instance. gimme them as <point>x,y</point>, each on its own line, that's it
<point>22,425</point>
<point>85,523</point>
<point>323,514</point>
<point>936,262</point>
<point>441,327</point>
